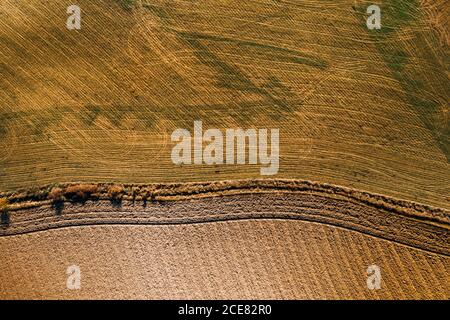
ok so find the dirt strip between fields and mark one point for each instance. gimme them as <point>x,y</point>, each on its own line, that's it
<point>323,208</point>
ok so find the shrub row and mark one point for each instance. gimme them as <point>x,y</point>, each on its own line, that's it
<point>83,192</point>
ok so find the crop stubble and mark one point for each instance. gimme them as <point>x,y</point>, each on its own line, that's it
<point>359,109</point>
<point>365,110</point>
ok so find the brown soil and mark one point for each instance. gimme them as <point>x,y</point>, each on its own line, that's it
<point>276,244</point>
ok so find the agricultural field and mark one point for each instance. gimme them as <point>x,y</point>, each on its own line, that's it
<point>286,241</point>
<point>367,109</point>
<point>87,118</point>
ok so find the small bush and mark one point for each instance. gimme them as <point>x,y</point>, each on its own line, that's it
<point>135,191</point>
<point>146,194</point>
<point>80,191</point>
<point>3,204</point>
<point>115,192</point>
<point>56,194</point>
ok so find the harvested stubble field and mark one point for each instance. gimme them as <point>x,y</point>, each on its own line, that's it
<point>363,109</point>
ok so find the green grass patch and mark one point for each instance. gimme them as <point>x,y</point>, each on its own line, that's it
<point>127,4</point>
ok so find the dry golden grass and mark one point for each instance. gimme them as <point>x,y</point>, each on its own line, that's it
<point>98,105</point>
<point>438,16</point>
<point>182,191</point>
